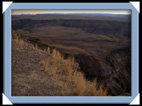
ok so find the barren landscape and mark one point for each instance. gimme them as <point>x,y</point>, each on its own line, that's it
<point>71,55</point>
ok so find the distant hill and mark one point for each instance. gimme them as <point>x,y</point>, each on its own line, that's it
<point>114,17</point>
<point>105,27</point>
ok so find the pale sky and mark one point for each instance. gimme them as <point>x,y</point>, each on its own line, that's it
<point>17,12</point>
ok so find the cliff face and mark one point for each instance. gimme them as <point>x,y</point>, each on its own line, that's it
<point>92,67</point>
<point>120,81</point>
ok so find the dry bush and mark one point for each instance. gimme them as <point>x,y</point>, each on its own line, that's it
<point>14,35</point>
<point>71,83</point>
<point>36,47</point>
<point>54,53</point>
<point>92,90</point>
<point>53,71</point>
<point>58,55</point>
<point>69,72</point>
<point>45,65</point>
<point>26,43</point>
<point>72,61</point>
<point>80,86</point>
<point>48,50</point>
<point>42,63</point>
<point>17,41</point>
<point>67,62</point>
<point>101,91</point>
<point>44,50</point>
<point>58,84</point>
<point>53,61</point>
<point>21,43</point>
<point>32,46</point>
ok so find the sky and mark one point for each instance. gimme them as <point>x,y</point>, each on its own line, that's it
<point>18,12</point>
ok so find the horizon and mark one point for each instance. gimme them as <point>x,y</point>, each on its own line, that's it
<point>35,12</point>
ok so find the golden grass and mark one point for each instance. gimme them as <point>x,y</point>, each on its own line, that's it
<point>101,91</point>
<point>14,35</point>
<point>80,86</point>
<point>58,55</point>
<point>53,61</point>
<point>36,47</point>
<point>20,42</point>
<point>42,63</point>
<point>52,71</point>
<point>78,83</point>
<point>44,50</point>
<point>45,65</point>
<point>72,61</point>
<point>54,53</point>
<point>48,50</point>
<point>69,82</point>
<point>26,44</point>
<point>92,90</point>
<point>69,72</point>
<point>58,85</point>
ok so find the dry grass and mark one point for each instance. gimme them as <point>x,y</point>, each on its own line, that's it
<point>48,50</point>
<point>52,72</point>
<point>92,90</point>
<point>80,86</point>
<point>54,53</point>
<point>101,91</point>
<point>42,63</point>
<point>53,61</point>
<point>46,65</point>
<point>19,41</point>
<point>66,79</point>
<point>36,47</point>
<point>14,35</point>
<point>58,55</point>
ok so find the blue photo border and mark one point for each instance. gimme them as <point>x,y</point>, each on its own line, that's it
<point>72,99</point>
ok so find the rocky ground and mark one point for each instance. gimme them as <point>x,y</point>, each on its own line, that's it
<point>27,75</point>
<point>31,76</point>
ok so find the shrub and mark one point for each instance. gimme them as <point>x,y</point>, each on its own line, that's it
<point>48,50</point>
<point>54,53</point>
<point>44,50</point>
<point>42,63</point>
<point>46,65</point>
<point>21,43</point>
<point>36,47</point>
<point>58,55</point>
<point>53,61</point>
<point>67,79</point>
<point>14,35</point>
<point>53,71</point>
<point>80,86</point>
<point>92,90</point>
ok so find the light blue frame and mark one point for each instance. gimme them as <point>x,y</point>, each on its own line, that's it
<point>70,99</point>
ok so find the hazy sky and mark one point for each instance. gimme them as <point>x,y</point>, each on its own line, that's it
<point>17,12</point>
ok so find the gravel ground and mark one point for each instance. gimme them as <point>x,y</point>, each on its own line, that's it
<point>28,79</point>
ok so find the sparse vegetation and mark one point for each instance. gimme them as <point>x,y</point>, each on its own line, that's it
<point>67,80</point>
<point>48,50</point>
<point>66,77</point>
<point>42,63</point>
<point>41,69</point>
